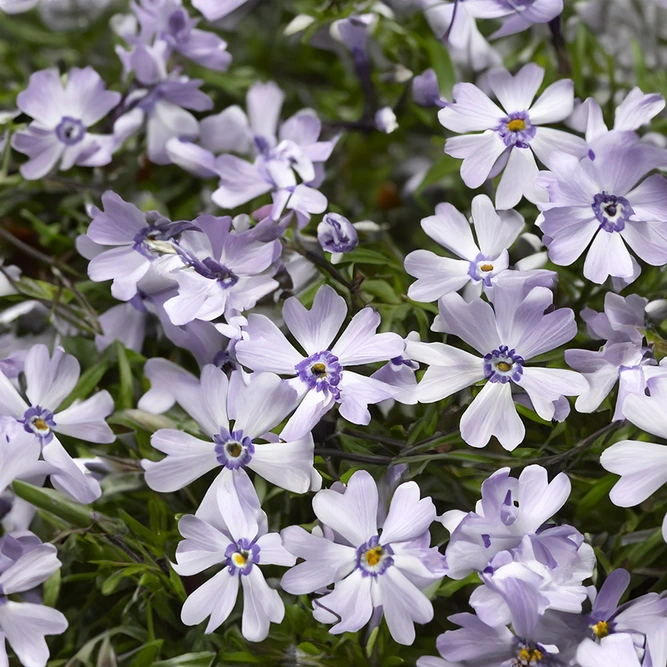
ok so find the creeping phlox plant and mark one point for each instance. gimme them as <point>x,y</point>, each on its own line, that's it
<point>333,333</point>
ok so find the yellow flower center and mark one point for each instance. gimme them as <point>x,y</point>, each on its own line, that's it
<point>601,629</point>
<point>504,366</point>
<point>240,559</point>
<point>40,425</point>
<point>319,369</point>
<point>516,125</point>
<point>235,449</point>
<point>486,267</point>
<point>528,656</point>
<point>373,556</point>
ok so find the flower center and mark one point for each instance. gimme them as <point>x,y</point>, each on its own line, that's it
<point>233,450</point>
<point>159,236</point>
<point>528,657</point>
<point>70,131</point>
<point>481,269</point>
<point>321,371</point>
<point>516,129</point>
<point>373,558</point>
<point>39,421</point>
<point>503,365</point>
<point>241,556</point>
<point>611,211</point>
<point>213,270</point>
<point>601,629</point>
<point>486,267</point>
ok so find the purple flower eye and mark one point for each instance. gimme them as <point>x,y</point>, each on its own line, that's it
<point>612,212</point>
<point>70,131</point>
<point>516,129</point>
<point>374,558</point>
<point>503,365</point>
<point>322,372</point>
<point>39,421</point>
<point>233,450</point>
<point>241,556</point>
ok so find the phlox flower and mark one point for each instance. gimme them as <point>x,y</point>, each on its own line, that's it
<point>554,583</point>
<point>236,418</point>
<point>510,509</point>
<point>280,154</point>
<point>62,115</point>
<point>482,263</point>
<point>527,644</point>
<point>337,234</point>
<point>642,620</point>
<point>636,109</point>
<point>518,15</point>
<point>604,201</point>
<point>505,336</point>
<point>511,134</point>
<point>321,375</point>
<point>370,563</point>
<point>229,530</point>
<point>642,466</point>
<point>24,625</point>
<point>49,380</point>
<point>616,649</point>
<point>224,272</point>
<point>168,21</point>
<point>624,358</point>
<point>131,245</point>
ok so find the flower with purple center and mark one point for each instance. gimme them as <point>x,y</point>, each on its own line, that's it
<point>241,556</point>
<point>236,417</point>
<point>230,530</point>
<point>519,326</point>
<point>503,365</point>
<point>49,380</point>
<point>224,271</point>
<point>233,450</point>
<point>321,376</point>
<point>509,136</point>
<point>604,201</point>
<point>62,115</point>
<point>279,154</point>
<point>39,421</point>
<point>321,371</point>
<point>482,259</point>
<point>372,557</point>
<point>130,247</point>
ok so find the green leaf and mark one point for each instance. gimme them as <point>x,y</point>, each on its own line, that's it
<point>126,394</point>
<point>201,659</point>
<point>55,503</point>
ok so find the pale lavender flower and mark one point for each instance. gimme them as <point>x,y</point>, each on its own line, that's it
<point>131,246</point>
<point>213,10</point>
<point>517,328</point>
<point>321,375</point>
<point>603,199</point>
<point>613,650</point>
<point>426,90</point>
<point>518,15</point>
<point>555,583</point>
<point>236,417</point>
<point>62,115</point>
<point>511,134</point>
<point>230,530</point>
<point>481,261</point>
<point>477,644</point>
<point>162,104</point>
<point>224,272</point>
<point>337,234</point>
<point>624,358</point>
<point>49,380</point>
<point>24,625</point>
<point>643,620</point>
<point>510,510</point>
<point>642,466</point>
<point>367,561</point>
<point>167,21</point>
<point>280,154</point>
<point>454,23</point>
<point>636,109</point>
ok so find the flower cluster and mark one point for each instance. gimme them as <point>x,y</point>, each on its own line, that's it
<point>271,355</point>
